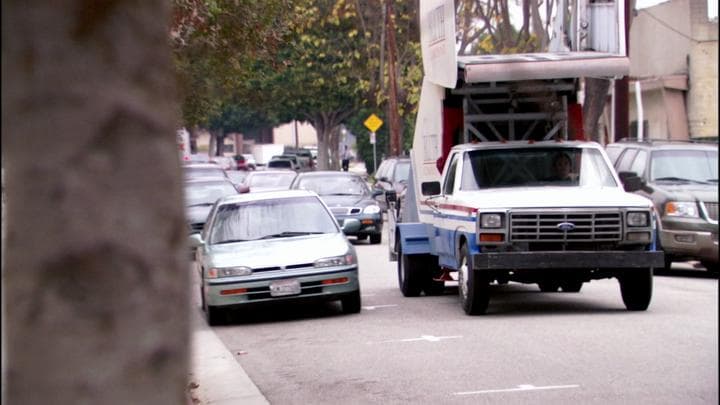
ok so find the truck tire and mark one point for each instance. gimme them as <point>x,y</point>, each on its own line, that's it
<point>409,278</point>
<point>473,286</point>
<point>636,289</point>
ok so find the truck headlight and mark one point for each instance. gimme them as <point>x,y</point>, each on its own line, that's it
<point>681,209</point>
<point>371,209</point>
<point>220,272</point>
<point>638,218</point>
<point>491,220</point>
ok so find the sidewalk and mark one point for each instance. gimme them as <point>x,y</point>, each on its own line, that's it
<point>215,376</point>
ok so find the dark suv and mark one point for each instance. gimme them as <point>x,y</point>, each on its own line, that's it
<point>681,178</point>
<point>392,174</point>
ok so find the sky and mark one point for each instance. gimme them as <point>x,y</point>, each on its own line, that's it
<point>712,5</point>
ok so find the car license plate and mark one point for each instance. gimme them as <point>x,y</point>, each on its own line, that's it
<point>284,287</point>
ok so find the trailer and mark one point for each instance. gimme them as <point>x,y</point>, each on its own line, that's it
<point>484,204</point>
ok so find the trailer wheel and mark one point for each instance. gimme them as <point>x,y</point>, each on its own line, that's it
<point>636,289</point>
<point>473,286</point>
<point>409,278</point>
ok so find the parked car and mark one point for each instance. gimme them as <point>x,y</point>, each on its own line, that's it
<point>292,158</point>
<point>195,171</point>
<point>349,199</point>
<point>281,163</point>
<point>237,177</point>
<point>305,157</point>
<point>200,195</point>
<point>392,174</point>
<point>226,162</point>
<point>245,162</point>
<point>681,178</point>
<point>272,248</point>
<point>267,180</point>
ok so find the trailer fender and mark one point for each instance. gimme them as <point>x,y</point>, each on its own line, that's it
<point>414,238</point>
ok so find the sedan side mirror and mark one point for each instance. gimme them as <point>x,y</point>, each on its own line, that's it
<point>195,240</point>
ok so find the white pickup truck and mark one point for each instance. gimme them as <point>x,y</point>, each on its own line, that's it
<point>501,212</point>
<point>503,187</point>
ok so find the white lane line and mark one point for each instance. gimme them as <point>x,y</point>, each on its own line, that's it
<point>523,387</point>
<point>427,338</point>
<point>372,307</point>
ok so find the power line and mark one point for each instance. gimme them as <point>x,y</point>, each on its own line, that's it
<point>668,26</point>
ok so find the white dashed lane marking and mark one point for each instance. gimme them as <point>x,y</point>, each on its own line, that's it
<point>427,338</point>
<point>523,387</point>
<point>373,307</point>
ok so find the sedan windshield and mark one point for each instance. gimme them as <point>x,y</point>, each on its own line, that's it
<point>694,166</point>
<point>207,193</point>
<point>334,185</point>
<point>276,218</point>
<point>535,167</point>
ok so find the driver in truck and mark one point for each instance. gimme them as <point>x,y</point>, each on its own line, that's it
<point>562,168</point>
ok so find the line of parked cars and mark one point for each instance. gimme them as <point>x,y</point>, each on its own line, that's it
<point>277,235</point>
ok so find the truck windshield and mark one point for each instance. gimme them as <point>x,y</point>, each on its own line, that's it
<point>535,167</point>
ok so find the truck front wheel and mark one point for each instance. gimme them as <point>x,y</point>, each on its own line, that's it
<point>409,278</point>
<point>473,286</point>
<point>636,288</point>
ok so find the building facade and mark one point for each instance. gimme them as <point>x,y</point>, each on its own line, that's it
<point>674,59</point>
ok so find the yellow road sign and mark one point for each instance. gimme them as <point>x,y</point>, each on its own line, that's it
<point>373,122</point>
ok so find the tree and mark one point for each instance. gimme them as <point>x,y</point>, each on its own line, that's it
<point>96,262</point>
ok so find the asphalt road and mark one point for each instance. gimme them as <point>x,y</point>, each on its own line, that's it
<point>531,347</point>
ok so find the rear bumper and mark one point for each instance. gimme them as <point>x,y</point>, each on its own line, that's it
<point>567,260</point>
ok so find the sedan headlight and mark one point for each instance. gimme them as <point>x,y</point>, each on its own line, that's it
<point>681,209</point>
<point>220,272</point>
<point>491,220</point>
<point>635,218</point>
<point>344,260</point>
<point>371,209</point>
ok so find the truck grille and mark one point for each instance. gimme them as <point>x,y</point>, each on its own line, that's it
<point>587,226</point>
<point>711,208</point>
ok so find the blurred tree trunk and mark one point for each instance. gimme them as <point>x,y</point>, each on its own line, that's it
<point>96,274</point>
<point>596,91</point>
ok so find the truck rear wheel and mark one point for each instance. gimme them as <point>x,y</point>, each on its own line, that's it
<point>409,278</point>
<point>636,289</point>
<point>473,286</point>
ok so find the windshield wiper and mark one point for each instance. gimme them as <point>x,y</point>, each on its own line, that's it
<point>712,180</point>
<point>288,234</point>
<point>680,179</point>
<point>205,204</point>
<point>232,241</point>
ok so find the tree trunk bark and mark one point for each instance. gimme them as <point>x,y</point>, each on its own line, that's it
<point>596,91</point>
<point>96,270</point>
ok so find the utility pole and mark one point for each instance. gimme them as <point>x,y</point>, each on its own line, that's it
<point>622,105</point>
<point>393,114</point>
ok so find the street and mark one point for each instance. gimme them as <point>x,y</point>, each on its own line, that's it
<point>531,347</point>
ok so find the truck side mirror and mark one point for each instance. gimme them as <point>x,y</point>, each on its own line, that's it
<point>430,188</point>
<point>632,182</point>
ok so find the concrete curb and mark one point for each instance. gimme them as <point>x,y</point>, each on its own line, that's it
<point>216,377</point>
